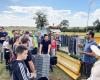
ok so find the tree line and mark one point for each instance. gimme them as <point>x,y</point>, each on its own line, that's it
<point>42,21</point>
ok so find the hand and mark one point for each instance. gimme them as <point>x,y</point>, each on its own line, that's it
<point>33,75</point>
<point>48,54</point>
<point>79,45</point>
<point>39,53</point>
<point>81,52</point>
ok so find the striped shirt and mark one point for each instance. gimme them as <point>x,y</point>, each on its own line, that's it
<point>20,71</point>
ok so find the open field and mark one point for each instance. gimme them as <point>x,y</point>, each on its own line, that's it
<point>97,35</point>
<point>79,33</point>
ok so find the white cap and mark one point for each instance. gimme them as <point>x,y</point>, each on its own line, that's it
<point>95,49</point>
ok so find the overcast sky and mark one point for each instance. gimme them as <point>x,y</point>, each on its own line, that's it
<point>20,12</point>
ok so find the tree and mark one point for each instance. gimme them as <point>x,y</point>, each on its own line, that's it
<point>64,23</point>
<point>41,20</point>
<point>96,24</point>
<point>64,29</point>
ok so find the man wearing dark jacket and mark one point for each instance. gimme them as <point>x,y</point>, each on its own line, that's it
<point>19,69</point>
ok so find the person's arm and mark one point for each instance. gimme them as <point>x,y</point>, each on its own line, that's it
<point>49,48</point>
<point>80,45</point>
<point>31,65</point>
<point>90,54</point>
<point>56,45</point>
<point>40,48</point>
<point>30,62</point>
<point>3,45</point>
<point>33,42</point>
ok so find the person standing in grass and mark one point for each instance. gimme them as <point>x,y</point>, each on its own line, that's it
<point>19,69</point>
<point>7,52</point>
<point>3,35</point>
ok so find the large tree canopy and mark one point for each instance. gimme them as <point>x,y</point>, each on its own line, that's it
<point>64,23</point>
<point>41,20</point>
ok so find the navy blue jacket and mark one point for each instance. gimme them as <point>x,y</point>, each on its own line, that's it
<point>20,71</point>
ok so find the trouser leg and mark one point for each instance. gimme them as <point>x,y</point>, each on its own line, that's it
<point>83,69</point>
<point>88,69</point>
<point>1,54</point>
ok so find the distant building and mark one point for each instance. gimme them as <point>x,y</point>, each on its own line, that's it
<point>54,29</point>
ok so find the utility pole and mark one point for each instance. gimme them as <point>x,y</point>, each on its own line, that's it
<point>88,16</point>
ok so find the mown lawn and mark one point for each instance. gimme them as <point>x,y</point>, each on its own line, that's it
<point>4,74</point>
<point>79,33</point>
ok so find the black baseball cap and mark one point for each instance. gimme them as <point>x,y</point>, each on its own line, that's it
<point>90,32</point>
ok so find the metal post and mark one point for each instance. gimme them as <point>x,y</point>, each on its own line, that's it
<point>91,2</point>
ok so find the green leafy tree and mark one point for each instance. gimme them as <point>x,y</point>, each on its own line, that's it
<point>96,24</point>
<point>40,20</point>
<point>64,23</point>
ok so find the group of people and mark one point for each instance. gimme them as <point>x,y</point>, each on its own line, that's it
<point>18,51</point>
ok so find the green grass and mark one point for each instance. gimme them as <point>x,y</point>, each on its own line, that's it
<point>4,74</point>
<point>79,33</point>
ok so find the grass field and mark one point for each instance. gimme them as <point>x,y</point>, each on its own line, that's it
<point>4,74</point>
<point>78,33</point>
<point>97,35</point>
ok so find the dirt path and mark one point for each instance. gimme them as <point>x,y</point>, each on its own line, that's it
<point>59,75</point>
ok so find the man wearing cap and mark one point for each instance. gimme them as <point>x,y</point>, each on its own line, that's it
<point>88,58</point>
<point>95,72</point>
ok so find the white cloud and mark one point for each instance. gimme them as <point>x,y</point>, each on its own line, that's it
<point>13,20</point>
<point>54,16</point>
<point>30,9</point>
<point>79,19</point>
<point>80,15</point>
<point>96,14</point>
